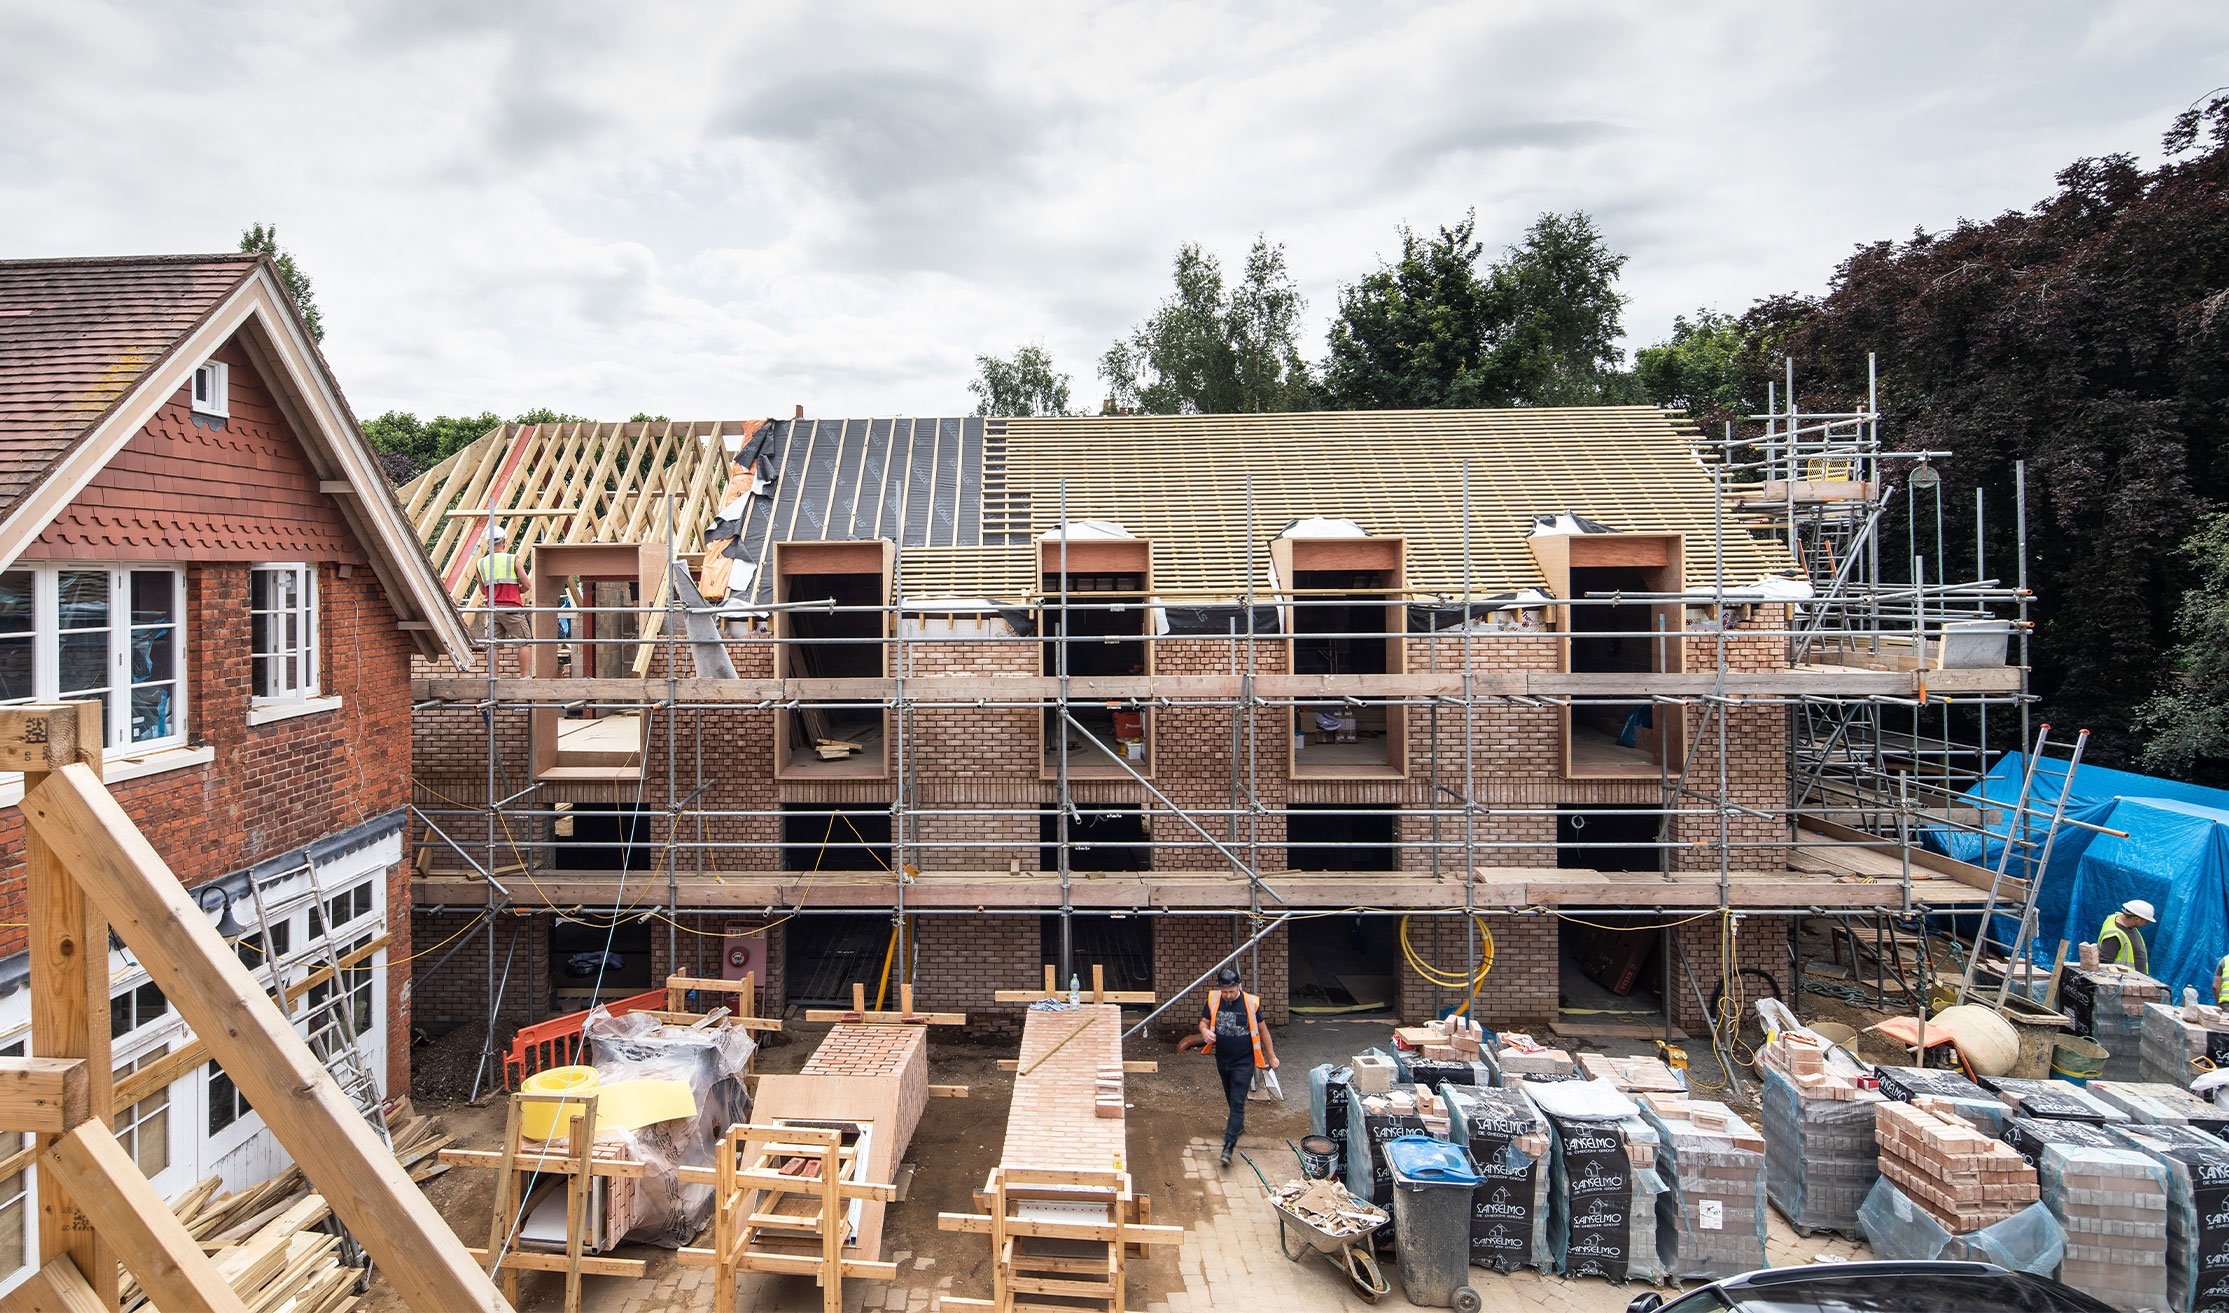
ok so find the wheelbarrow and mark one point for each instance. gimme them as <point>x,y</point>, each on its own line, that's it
<point>1355,1256</point>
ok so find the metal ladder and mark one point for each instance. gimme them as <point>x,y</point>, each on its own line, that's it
<point>2030,845</point>
<point>331,1036</point>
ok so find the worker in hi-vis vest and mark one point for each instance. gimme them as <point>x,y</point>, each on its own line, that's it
<point>2121,938</point>
<point>2221,982</point>
<point>499,572</point>
<point>1231,1025</point>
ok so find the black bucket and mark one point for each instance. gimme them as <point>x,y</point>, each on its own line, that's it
<point>1319,1157</point>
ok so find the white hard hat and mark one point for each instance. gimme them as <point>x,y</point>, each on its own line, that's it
<point>496,534</point>
<point>2138,907</point>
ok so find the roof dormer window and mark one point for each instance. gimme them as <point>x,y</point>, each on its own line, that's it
<point>209,389</point>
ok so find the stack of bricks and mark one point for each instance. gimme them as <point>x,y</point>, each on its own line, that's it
<point>2107,1005</point>
<point>1107,1093</point>
<point>2056,1100</point>
<point>1509,1142</point>
<point>1714,1164</point>
<point>1821,1158</point>
<point>2111,1199</point>
<point>1534,1063</point>
<point>2197,1166</point>
<point>1633,1075</point>
<point>2171,1040</point>
<point>1951,1091</point>
<point>1053,1123</point>
<point>1603,1189</point>
<point>900,1053</point>
<point>2161,1104</point>
<point>1962,1178</point>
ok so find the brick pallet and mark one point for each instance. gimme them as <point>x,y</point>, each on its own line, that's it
<point>1711,1219</point>
<point>1963,1179</point>
<point>2197,1166</point>
<point>2111,1199</point>
<point>1603,1186</point>
<point>2056,1100</point>
<point>1821,1158</point>
<point>1961,1095</point>
<point>2158,1103</point>
<point>2107,1005</point>
<point>1374,1120</point>
<point>2169,1043</point>
<point>1508,1140</point>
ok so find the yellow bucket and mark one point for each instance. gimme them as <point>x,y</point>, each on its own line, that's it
<point>546,1121</point>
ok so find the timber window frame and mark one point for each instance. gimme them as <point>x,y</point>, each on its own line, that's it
<point>284,642</point>
<point>72,632</point>
<point>211,389</point>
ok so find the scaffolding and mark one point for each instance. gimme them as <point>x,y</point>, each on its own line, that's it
<point>1877,667</point>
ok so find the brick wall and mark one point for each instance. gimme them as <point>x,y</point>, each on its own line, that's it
<point>1186,946</point>
<point>1759,942</point>
<point>1520,991</point>
<point>965,959</point>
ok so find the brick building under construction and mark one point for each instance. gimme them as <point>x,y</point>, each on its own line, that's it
<point>1575,703</point>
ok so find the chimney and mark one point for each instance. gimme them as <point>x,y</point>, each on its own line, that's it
<point>800,411</point>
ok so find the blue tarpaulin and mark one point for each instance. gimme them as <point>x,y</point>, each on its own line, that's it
<point>2176,857</point>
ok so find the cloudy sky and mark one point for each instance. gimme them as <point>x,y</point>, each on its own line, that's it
<point>723,209</point>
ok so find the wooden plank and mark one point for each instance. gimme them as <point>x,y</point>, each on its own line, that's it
<point>592,1265</point>
<point>790,1264</point>
<point>1111,995</point>
<point>44,1096</point>
<point>162,1255</point>
<point>689,1175</point>
<point>887,1018</point>
<point>57,1287</point>
<point>69,971</point>
<point>1837,681</point>
<point>97,843</point>
<point>980,1224</point>
<point>2013,888</point>
<point>547,1165</point>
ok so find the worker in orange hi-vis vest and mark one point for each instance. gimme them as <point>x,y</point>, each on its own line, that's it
<point>1231,1026</point>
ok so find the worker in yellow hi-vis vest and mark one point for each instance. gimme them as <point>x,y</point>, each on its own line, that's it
<point>2121,938</point>
<point>500,572</point>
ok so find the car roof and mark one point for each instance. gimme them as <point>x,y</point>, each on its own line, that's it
<point>2014,1287</point>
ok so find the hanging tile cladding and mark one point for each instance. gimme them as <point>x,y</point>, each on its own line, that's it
<point>193,487</point>
<point>76,335</point>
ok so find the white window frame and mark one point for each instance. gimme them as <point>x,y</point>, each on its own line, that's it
<point>307,653</point>
<point>211,389</point>
<point>20,1194</point>
<point>46,661</point>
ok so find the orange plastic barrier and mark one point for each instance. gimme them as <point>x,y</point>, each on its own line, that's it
<point>556,1042</point>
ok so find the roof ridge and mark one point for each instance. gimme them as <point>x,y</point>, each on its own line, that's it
<point>182,257</point>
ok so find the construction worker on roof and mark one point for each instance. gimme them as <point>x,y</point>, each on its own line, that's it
<point>499,573</point>
<point>1231,1026</point>
<point>2121,938</point>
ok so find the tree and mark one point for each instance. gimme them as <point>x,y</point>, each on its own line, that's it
<point>1024,385</point>
<point>1556,344</point>
<point>1413,334</point>
<point>409,446</point>
<point>263,239</point>
<point>2188,718</point>
<point>1212,350</point>
<point>1699,368</point>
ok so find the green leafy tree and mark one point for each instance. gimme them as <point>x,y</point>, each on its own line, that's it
<point>2187,720</point>
<point>408,446</point>
<point>1698,368</point>
<point>1216,349</point>
<point>544,415</point>
<point>645,417</point>
<point>1413,334</point>
<point>1023,384</point>
<point>263,239</point>
<point>1556,344</point>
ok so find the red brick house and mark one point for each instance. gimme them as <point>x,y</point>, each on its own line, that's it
<point>193,532</point>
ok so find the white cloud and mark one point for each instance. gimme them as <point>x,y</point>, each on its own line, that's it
<point>702,209</point>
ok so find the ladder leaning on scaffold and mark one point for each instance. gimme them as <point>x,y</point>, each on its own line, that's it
<point>2029,844</point>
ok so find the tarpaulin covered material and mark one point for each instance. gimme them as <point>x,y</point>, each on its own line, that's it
<point>2176,857</point>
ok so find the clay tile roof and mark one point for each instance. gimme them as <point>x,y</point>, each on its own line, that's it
<point>76,335</point>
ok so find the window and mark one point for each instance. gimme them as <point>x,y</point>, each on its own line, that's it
<point>15,1196</point>
<point>282,599</point>
<point>340,909</point>
<point>134,1008</point>
<point>226,1104</point>
<point>144,1128</point>
<point>211,389</point>
<point>354,1009</point>
<point>69,633</point>
<point>253,953</point>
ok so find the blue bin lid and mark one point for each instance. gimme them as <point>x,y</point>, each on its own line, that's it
<point>1422,1159</point>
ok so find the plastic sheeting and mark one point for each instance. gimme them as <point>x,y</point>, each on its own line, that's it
<point>1327,1104</point>
<point>1821,1158</point>
<point>712,1063</point>
<point>1898,1229</point>
<point>1977,1105</point>
<point>1602,1190</point>
<point>1710,1220</point>
<point>1508,1141</point>
<point>2111,1201</point>
<point>2197,1167</point>
<point>2176,856</point>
